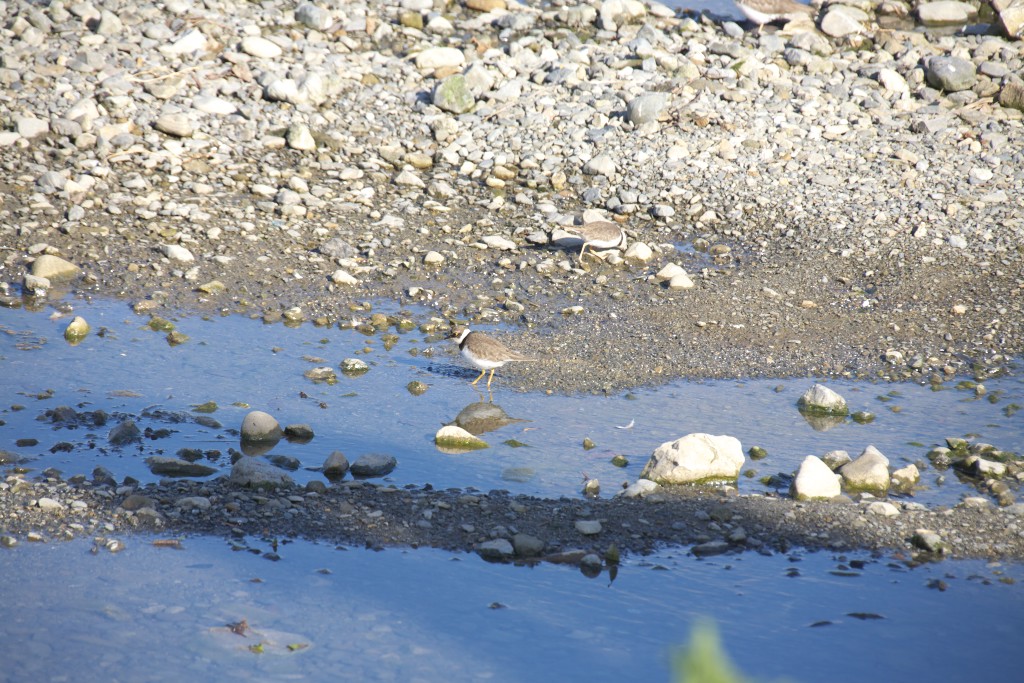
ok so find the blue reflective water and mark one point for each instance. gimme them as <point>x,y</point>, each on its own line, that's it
<point>128,370</point>
<point>322,614</point>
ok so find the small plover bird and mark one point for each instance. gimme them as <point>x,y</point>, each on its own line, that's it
<point>599,235</point>
<point>485,353</point>
<point>763,12</point>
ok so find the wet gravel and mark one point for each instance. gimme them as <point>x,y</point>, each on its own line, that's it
<point>377,516</point>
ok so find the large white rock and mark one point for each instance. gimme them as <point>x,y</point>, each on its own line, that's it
<point>260,426</point>
<point>695,458</point>
<point>814,480</point>
<point>868,472</point>
<point>820,399</point>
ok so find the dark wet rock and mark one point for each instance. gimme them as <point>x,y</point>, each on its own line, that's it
<point>9,458</point>
<point>526,545</point>
<point>260,427</point>
<point>101,476</point>
<point>716,547</point>
<point>301,433</point>
<point>137,501</point>
<point>250,472</point>
<point>416,388</point>
<point>176,467</point>
<point>373,465</point>
<point>125,433</point>
<point>285,462</point>
<point>63,414</point>
<point>497,550</point>
<point>929,541</point>
<point>336,466</point>
<point>483,416</point>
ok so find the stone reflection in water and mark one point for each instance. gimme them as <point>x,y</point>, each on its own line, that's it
<point>823,423</point>
<point>483,416</point>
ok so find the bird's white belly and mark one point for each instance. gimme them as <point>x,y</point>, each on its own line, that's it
<point>759,18</point>
<point>482,363</point>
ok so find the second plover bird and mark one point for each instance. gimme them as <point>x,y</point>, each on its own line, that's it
<point>485,353</point>
<point>763,12</point>
<point>599,235</point>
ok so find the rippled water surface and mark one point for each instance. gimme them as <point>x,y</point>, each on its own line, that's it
<point>323,614</point>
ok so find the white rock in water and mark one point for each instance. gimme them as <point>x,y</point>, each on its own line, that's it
<point>455,437</point>
<point>588,527</point>
<point>77,329</point>
<point>257,46</point>
<point>695,458</point>
<point>905,477</point>
<point>260,426</point>
<point>821,400</point>
<point>176,252</point>
<point>815,480</point>
<point>868,472</point>
<point>353,366</point>
<point>434,58</point>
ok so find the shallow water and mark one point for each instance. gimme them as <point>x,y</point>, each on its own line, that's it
<point>129,370</point>
<point>159,614</point>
